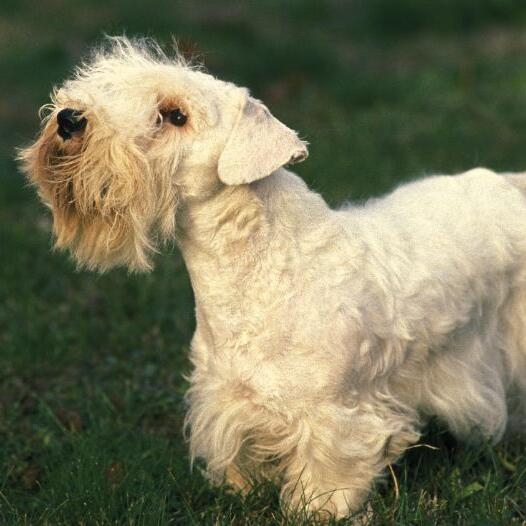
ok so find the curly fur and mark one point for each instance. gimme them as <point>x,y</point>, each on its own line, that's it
<point>325,338</point>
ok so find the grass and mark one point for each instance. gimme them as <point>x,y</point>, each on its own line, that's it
<point>91,367</point>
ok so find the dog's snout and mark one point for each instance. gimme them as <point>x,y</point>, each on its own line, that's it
<point>70,121</point>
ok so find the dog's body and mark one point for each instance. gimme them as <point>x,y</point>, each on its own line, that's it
<point>332,335</point>
<point>324,338</point>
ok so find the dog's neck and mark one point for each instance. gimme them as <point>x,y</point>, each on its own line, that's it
<point>236,223</point>
<point>242,233</point>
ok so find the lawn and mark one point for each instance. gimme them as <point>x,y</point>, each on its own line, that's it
<point>92,367</point>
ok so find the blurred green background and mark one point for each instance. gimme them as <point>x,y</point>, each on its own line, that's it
<point>91,367</point>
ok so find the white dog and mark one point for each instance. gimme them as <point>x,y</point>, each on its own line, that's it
<point>325,338</point>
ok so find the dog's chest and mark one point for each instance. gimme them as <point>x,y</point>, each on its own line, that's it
<point>284,352</point>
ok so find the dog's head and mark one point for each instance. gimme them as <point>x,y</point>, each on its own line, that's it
<point>132,135</point>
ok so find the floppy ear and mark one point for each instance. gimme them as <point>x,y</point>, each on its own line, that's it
<point>258,145</point>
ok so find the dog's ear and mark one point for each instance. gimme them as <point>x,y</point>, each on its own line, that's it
<point>258,145</point>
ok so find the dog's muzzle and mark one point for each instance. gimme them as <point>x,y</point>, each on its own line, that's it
<point>69,122</point>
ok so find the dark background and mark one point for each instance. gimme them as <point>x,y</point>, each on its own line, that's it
<point>91,367</point>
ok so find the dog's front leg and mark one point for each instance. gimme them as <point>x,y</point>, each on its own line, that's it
<point>236,480</point>
<point>339,454</point>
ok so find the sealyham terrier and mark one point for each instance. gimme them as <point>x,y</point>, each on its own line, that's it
<point>325,338</point>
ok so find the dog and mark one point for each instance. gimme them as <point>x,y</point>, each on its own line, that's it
<point>325,338</point>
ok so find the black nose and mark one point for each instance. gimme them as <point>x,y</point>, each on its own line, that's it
<point>70,121</point>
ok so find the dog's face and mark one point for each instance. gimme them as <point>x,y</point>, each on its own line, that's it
<point>132,136</point>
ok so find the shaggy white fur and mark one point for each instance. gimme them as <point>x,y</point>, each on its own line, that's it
<point>325,338</point>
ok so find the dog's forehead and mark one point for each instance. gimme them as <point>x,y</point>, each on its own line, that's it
<point>118,80</point>
<point>136,91</point>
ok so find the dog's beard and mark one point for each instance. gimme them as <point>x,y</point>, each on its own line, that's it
<point>109,208</point>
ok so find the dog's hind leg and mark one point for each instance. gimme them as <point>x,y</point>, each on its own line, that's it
<point>513,321</point>
<point>513,325</point>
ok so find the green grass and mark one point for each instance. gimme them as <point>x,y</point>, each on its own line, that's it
<point>91,367</point>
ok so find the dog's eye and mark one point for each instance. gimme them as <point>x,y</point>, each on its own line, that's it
<point>177,117</point>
